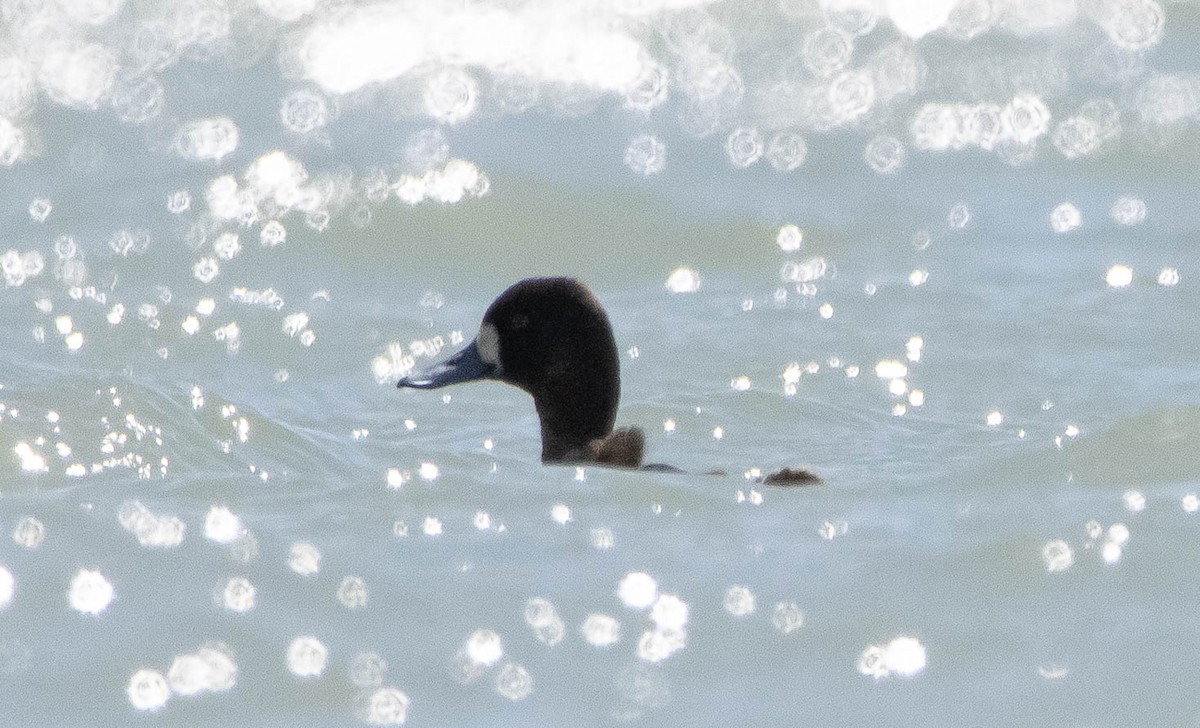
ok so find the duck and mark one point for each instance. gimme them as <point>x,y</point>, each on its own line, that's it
<point>552,338</point>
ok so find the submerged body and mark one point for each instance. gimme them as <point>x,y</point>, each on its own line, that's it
<point>551,338</point>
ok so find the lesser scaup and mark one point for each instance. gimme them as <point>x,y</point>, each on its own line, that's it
<point>551,338</point>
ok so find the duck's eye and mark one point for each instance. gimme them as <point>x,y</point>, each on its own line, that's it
<point>518,322</point>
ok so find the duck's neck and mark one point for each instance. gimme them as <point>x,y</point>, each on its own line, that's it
<point>568,432</point>
<point>576,398</point>
<point>582,432</point>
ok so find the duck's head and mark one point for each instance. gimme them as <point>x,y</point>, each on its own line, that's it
<point>551,338</point>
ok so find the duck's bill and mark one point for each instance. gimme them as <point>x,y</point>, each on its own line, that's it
<point>465,366</point>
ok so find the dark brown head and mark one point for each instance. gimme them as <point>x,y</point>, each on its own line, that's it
<point>550,337</point>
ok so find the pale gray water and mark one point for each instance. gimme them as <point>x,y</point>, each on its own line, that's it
<point>1007,413</point>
